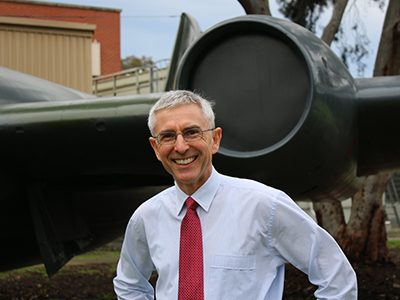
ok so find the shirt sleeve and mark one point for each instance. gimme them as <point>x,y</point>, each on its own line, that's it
<point>134,267</point>
<point>299,240</point>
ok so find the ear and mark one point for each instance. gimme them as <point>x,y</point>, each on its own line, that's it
<point>155,147</point>
<point>217,136</point>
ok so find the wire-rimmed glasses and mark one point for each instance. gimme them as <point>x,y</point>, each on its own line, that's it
<point>190,135</point>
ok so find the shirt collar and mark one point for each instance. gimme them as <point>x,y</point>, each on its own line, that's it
<point>204,196</point>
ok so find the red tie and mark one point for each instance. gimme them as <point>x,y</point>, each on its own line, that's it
<point>191,255</point>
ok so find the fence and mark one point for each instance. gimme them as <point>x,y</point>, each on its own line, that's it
<point>140,80</point>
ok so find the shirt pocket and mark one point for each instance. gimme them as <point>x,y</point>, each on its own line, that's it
<point>232,277</point>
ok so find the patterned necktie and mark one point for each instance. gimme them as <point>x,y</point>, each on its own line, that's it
<point>191,255</point>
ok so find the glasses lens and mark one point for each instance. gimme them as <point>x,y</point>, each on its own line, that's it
<point>166,138</point>
<point>192,134</point>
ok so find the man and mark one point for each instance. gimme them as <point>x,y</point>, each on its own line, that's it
<point>248,231</point>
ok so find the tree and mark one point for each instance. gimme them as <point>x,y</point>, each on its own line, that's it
<point>364,236</point>
<point>388,58</point>
<point>332,28</point>
<point>260,7</point>
<point>303,12</point>
<point>307,12</point>
<point>134,62</point>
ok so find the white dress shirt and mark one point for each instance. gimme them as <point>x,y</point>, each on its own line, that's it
<point>249,232</point>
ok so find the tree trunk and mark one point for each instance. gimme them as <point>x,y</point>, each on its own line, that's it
<point>364,237</point>
<point>388,58</point>
<point>260,7</point>
<point>329,213</point>
<point>333,26</point>
<point>365,234</point>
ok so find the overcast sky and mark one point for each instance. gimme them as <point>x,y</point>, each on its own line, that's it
<point>149,27</point>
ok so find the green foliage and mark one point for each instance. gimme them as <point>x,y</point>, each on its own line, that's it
<point>307,13</point>
<point>358,49</point>
<point>303,12</point>
<point>134,62</point>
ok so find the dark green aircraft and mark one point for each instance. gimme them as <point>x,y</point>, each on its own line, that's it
<point>75,167</point>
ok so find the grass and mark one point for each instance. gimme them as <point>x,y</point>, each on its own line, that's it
<point>393,232</point>
<point>104,253</point>
<point>35,269</point>
<point>95,279</point>
<point>99,253</point>
<point>104,297</point>
<point>393,244</point>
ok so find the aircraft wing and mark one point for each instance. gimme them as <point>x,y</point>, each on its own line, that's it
<point>75,167</point>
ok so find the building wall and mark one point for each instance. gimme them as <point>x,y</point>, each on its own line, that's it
<point>56,51</point>
<point>107,23</point>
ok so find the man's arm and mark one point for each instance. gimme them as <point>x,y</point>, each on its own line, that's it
<point>308,247</point>
<point>134,267</point>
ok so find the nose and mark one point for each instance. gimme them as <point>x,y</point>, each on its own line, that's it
<point>181,145</point>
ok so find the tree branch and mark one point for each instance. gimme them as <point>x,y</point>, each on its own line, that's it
<point>260,7</point>
<point>333,26</point>
<point>388,57</point>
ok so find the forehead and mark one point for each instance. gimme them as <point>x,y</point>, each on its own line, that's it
<point>179,118</point>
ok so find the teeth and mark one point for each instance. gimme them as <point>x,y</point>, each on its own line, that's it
<point>184,161</point>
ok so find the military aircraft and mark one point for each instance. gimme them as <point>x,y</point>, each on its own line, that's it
<point>75,167</point>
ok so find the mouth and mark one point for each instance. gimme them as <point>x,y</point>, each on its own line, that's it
<point>185,161</point>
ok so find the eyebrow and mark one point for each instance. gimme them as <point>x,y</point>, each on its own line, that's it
<point>184,129</point>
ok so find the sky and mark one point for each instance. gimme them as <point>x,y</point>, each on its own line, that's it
<point>149,27</point>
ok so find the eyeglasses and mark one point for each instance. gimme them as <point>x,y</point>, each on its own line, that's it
<point>190,135</point>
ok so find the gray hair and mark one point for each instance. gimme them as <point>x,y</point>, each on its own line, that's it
<point>178,98</point>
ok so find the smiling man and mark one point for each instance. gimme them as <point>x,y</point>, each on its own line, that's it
<point>189,163</point>
<point>216,237</point>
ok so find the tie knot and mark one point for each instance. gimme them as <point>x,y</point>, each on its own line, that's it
<point>191,204</point>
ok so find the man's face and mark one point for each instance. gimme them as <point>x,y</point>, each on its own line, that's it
<point>188,162</point>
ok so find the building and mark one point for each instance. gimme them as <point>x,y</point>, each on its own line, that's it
<point>66,44</point>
